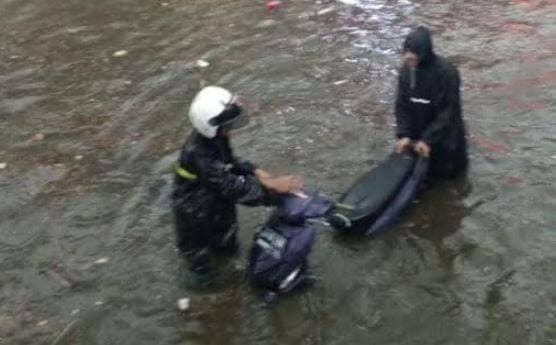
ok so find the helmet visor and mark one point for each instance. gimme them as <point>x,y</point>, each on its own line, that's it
<point>232,117</point>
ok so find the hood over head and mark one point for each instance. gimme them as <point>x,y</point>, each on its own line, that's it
<point>419,41</point>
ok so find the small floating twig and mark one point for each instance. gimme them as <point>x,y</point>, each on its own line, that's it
<point>64,332</point>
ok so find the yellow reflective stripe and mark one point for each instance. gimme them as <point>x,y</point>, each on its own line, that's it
<point>185,174</point>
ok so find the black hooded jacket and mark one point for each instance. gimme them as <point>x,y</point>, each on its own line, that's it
<point>208,201</point>
<point>428,106</point>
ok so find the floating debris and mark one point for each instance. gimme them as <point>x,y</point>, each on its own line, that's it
<point>266,23</point>
<point>3,165</point>
<point>99,303</point>
<point>78,157</point>
<point>74,30</point>
<point>164,4</point>
<point>102,260</point>
<point>120,53</point>
<point>326,10</point>
<point>57,273</point>
<point>38,137</point>
<point>272,5</point>
<point>42,323</point>
<point>183,304</point>
<point>340,82</point>
<point>202,63</point>
<point>75,311</point>
<point>64,332</point>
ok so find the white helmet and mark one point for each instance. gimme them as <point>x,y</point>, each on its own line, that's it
<point>210,102</point>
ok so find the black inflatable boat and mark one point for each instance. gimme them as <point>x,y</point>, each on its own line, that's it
<point>377,199</point>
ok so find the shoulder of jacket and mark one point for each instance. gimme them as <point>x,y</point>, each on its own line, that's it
<point>194,147</point>
<point>447,66</point>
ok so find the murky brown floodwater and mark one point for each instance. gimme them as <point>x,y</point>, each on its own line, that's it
<point>473,263</point>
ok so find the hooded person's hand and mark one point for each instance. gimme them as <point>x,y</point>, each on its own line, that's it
<point>423,149</point>
<point>402,145</point>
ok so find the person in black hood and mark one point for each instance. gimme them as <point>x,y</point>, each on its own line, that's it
<point>428,107</point>
<point>210,181</point>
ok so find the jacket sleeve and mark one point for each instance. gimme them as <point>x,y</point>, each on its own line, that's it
<point>448,107</point>
<point>244,189</point>
<point>403,125</point>
<point>243,167</point>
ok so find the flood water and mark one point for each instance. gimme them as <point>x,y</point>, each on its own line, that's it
<point>88,139</point>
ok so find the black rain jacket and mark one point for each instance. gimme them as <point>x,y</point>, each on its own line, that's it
<point>428,105</point>
<point>208,202</point>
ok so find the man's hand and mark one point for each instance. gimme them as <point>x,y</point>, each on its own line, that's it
<point>403,144</point>
<point>423,149</point>
<point>283,184</point>
<point>262,174</point>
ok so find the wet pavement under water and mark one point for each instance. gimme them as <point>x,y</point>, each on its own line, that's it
<point>89,138</point>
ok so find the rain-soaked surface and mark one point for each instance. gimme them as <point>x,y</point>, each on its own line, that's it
<point>88,139</point>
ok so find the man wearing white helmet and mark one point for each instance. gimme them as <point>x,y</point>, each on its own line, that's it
<point>210,181</point>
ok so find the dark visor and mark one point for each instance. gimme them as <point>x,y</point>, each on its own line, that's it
<point>232,117</point>
<point>228,115</point>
